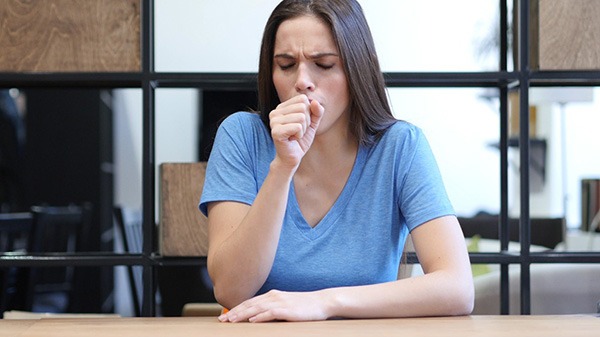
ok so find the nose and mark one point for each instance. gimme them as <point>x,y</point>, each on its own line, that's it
<point>304,81</point>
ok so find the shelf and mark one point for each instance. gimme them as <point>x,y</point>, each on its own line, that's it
<point>449,79</point>
<point>216,81</point>
<point>247,81</point>
<point>514,142</point>
<point>238,81</point>
<point>56,35</point>
<point>75,80</point>
<point>102,259</point>
<point>149,81</point>
<point>515,257</point>
<point>179,261</point>
<point>565,78</point>
<point>73,259</point>
<point>95,259</point>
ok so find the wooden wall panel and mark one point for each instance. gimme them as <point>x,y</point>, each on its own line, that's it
<point>569,35</point>
<point>183,229</point>
<point>70,36</point>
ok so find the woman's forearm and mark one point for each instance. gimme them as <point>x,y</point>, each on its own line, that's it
<point>241,262</point>
<point>440,293</point>
<point>445,289</point>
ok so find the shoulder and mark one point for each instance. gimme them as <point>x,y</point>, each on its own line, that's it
<point>241,119</point>
<point>244,133</point>
<point>404,128</point>
<point>400,144</point>
<point>242,125</point>
<point>401,133</point>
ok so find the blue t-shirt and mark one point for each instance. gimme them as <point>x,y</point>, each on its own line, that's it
<point>394,186</point>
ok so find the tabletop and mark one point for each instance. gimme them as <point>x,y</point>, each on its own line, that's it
<point>489,326</point>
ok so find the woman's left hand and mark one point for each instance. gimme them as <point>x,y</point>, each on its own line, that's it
<point>279,305</point>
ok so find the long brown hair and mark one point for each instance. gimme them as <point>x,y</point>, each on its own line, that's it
<point>370,113</point>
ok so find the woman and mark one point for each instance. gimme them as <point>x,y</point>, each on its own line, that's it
<point>309,206</point>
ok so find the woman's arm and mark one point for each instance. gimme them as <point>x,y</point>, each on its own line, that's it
<point>445,289</point>
<point>243,239</point>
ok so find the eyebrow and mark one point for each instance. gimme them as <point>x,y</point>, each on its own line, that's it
<point>312,57</point>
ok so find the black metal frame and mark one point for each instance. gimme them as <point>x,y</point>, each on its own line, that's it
<point>148,80</point>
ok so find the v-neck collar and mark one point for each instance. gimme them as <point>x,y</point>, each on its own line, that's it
<point>336,209</point>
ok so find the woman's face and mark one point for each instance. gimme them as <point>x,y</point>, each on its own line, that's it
<point>307,61</point>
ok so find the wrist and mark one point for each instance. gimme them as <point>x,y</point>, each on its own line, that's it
<point>331,303</point>
<point>282,168</point>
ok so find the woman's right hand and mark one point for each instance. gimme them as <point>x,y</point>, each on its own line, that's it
<point>243,238</point>
<point>294,125</point>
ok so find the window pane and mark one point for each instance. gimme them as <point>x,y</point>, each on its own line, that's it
<point>435,35</point>
<point>556,288</point>
<point>431,35</point>
<point>564,288</point>
<point>208,35</point>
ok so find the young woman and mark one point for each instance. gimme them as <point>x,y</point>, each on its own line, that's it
<point>309,203</point>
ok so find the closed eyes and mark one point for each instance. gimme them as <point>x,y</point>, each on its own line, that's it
<point>324,66</point>
<point>287,61</point>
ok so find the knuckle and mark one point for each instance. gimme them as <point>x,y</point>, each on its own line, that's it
<point>274,293</point>
<point>274,312</point>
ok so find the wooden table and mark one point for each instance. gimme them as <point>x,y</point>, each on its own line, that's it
<point>488,326</point>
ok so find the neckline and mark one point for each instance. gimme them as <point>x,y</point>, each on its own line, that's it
<point>335,211</point>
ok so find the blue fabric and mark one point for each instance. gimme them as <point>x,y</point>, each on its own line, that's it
<point>394,187</point>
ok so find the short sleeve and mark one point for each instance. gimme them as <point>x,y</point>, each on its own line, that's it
<point>423,196</point>
<point>230,173</point>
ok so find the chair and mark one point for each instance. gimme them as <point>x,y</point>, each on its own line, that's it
<point>14,233</point>
<point>55,230</point>
<point>183,232</point>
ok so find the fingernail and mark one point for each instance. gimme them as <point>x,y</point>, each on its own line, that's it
<point>222,318</point>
